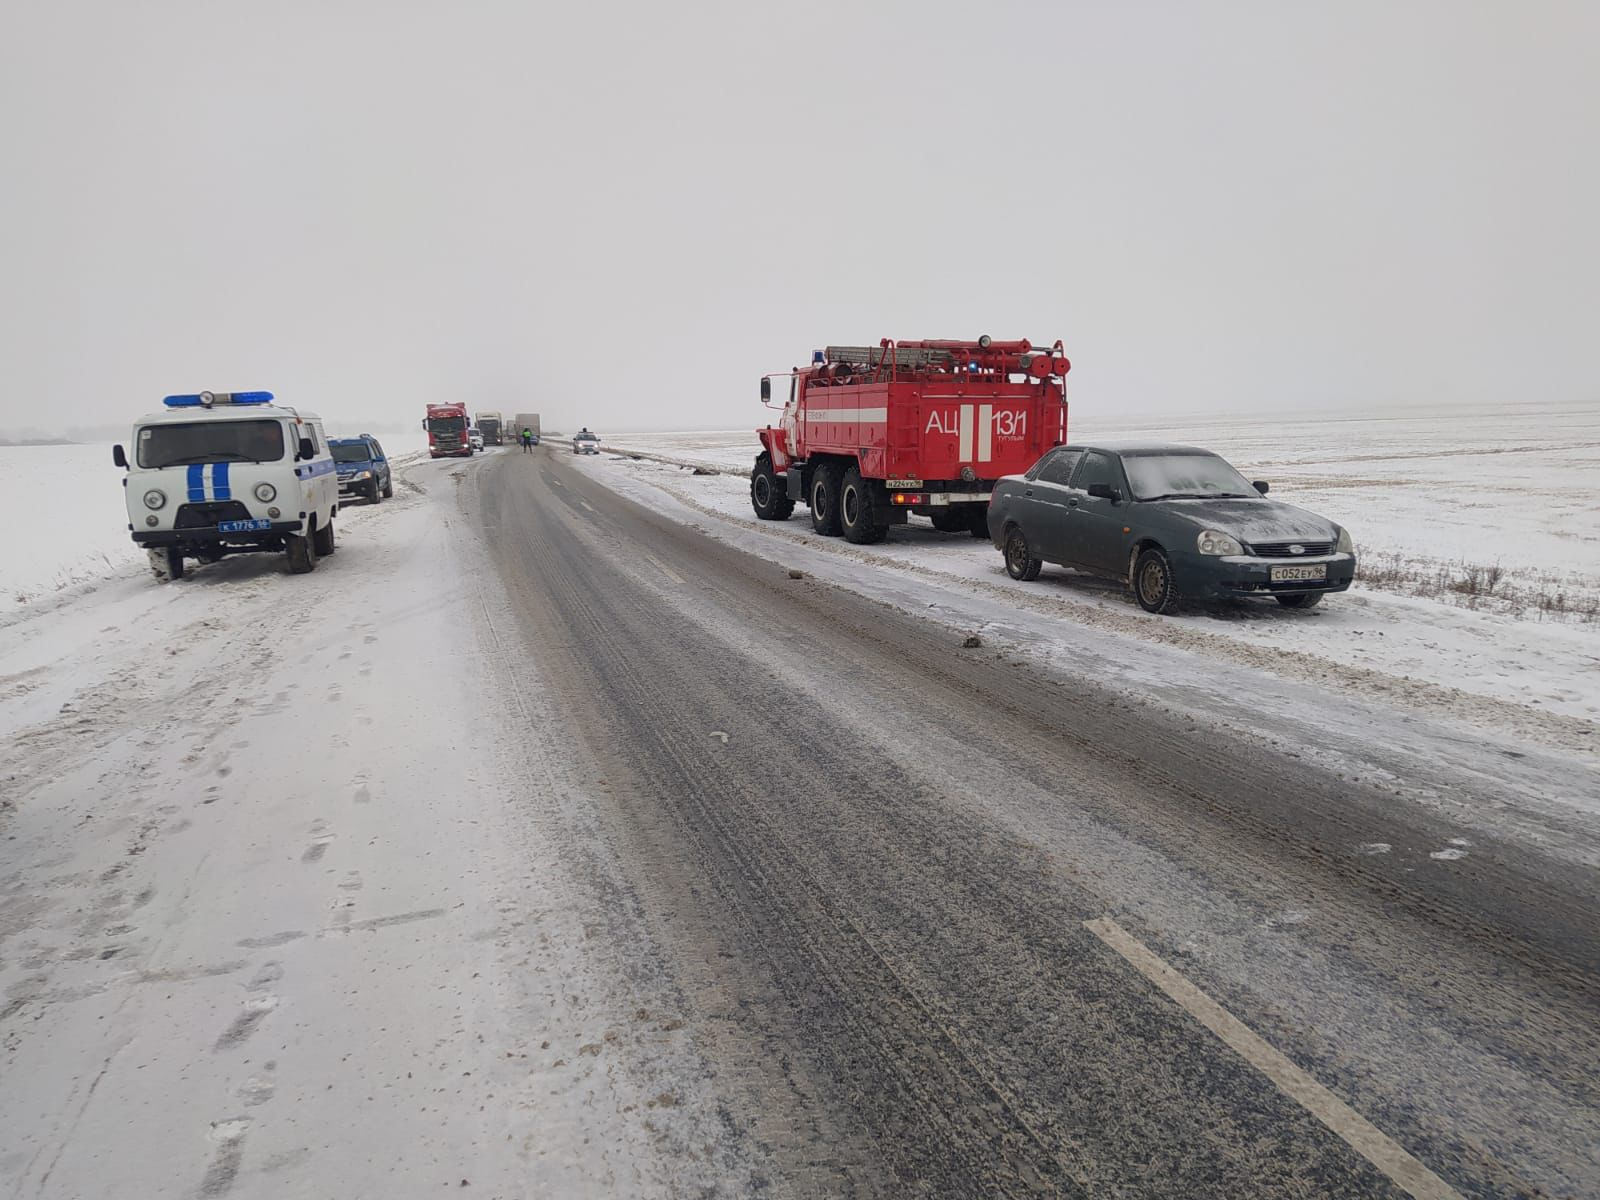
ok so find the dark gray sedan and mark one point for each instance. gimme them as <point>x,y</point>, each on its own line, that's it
<point>1173,522</point>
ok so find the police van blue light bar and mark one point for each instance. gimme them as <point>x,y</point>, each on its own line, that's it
<point>208,399</point>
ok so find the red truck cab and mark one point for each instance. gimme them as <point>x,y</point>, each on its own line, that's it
<point>448,431</point>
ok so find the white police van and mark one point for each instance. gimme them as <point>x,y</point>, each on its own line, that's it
<point>229,473</point>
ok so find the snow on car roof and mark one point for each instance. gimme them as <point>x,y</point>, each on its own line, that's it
<point>1138,447</point>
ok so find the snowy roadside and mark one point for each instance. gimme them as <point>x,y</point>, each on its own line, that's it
<point>1523,684</point>
<point>86,537</point>
<point>296,893</point>
<point>1539,678</point>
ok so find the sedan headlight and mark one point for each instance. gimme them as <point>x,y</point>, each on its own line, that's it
<point>155,499</point>
<point>1212,542</point>
<point>363,474</point>
<point>1346,544</point>
<point>266,493</point>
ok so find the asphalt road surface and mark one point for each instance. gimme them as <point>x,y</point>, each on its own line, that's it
<point>950,925</point>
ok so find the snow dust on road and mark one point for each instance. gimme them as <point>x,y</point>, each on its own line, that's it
<point>295,896</point>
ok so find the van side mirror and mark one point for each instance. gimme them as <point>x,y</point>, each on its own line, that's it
<point>119,456</point>
<point>307,450</point>
<point>1104,491</point>
<point>766,388</point>
<point>1261,486</point>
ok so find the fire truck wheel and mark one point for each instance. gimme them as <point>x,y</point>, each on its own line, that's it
<point>768,496</point>
<point>948,520</point>
<point>324,539</point>
<point>1020,562</point>
<point>858,510</point>
<point>1153,585</point>
<point>167,563</point>
<point>825,500</point>
<point>302,552</point>
<point>978,521</point>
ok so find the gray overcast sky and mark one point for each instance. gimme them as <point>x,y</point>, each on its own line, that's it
<point>624,214</point>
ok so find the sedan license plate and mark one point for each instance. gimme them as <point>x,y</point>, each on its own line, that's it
<point>243,526</point>
<point>1310,573</point>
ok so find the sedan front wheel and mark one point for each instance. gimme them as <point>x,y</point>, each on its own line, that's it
<point>1153,585</point>
<point>1020,562</point>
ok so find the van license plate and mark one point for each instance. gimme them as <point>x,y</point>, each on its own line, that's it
<point>243,526</point>
<point>1310,573</point>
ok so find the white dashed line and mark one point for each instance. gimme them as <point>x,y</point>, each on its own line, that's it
<point>1362,1136</point>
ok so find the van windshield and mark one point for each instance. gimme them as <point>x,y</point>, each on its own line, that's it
<point>209,442</point>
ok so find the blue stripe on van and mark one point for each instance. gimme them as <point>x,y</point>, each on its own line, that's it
<point>197,482</point>
<point>219,482</point>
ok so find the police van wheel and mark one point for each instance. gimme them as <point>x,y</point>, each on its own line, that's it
<point>323,537</point>
<point>167,563</point>
<point>302,552</point>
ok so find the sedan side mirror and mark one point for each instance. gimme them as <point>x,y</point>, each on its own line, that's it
<point>119,456</point>
<point>766,389</point>
<point>307,450</point>
<point>1261,486</point>
<point>1104,491</point>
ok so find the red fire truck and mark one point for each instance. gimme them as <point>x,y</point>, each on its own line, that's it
<point>447,431</point>
<point>871,434</point>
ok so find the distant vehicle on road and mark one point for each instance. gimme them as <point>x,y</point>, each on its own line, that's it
<point>529,421</point>
<point>363,467</point>
<point>584,442</point>
<point>492,428</point>
<point>220,473</point>
<point>475,438</point>
<point>447,431</point>
<point>1174,522</point>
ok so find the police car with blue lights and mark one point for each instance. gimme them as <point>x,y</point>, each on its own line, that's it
<point>219,473</point>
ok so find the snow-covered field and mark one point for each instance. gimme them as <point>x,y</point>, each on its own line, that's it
<point>86,532</point>
<point>1428,497</point>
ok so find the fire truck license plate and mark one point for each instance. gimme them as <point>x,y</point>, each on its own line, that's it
<point>243,526</point>
<point>1311,572</point>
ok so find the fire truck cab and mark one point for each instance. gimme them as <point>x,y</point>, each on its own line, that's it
<point>871,434</point>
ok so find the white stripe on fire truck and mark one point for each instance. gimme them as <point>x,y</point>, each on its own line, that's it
<point>847,414</point>
<point>964,438</point>
<point>985,432</point>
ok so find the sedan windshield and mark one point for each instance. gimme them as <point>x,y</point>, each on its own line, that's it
<point>1184,477</point>
<point>210,442</point>
<point>352,452</point>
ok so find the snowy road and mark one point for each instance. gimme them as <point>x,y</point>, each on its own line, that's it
<point>542,845</point>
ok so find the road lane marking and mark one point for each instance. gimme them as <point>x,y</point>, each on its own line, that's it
<point>587,505</point>
<point>1365,1138</point>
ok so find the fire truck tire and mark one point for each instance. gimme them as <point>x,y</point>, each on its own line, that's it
<point>167,564</point>
<point>1020,561</point>
<point>1153,585</point>
<point>978,521</point>
<point>858,510</point>
<point>323,536</point>
<point>302,553</point>
<point>825,499</point>
<point>767,493</point>
<point>948,520</point>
